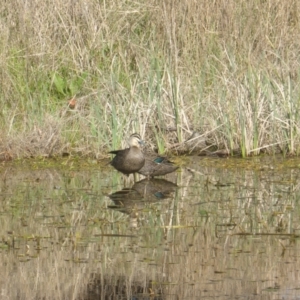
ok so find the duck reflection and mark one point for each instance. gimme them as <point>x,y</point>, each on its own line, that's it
<point>132,200</point>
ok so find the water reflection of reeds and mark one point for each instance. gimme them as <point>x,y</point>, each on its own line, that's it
<point>227,231</point>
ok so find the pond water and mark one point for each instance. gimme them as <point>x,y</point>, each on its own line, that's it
<point>214,229</point>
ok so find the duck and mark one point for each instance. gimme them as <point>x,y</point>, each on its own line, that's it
<point>156,166</point>
<point>129,160</point>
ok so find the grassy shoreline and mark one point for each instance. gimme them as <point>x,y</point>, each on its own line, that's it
<point>188,76</point>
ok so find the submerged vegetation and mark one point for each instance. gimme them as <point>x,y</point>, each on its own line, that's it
<point>78,77</point>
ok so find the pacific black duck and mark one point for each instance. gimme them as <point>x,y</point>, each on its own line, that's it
<point>156,166</point>
<point>131,159</point>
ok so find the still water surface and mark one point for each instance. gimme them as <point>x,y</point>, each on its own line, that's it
<point>216,229</point>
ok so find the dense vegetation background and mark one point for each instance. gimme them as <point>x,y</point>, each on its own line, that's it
<point>224,74</point>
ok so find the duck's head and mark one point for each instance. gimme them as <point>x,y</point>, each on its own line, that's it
<point>135,140</point>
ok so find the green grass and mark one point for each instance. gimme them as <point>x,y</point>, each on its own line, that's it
<point>164,69</point>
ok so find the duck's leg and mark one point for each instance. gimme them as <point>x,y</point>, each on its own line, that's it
<point>127,181</point>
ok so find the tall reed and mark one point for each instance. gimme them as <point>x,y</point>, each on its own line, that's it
<point>225,70</point>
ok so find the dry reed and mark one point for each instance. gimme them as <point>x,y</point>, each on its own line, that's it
<point>225,71</point>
